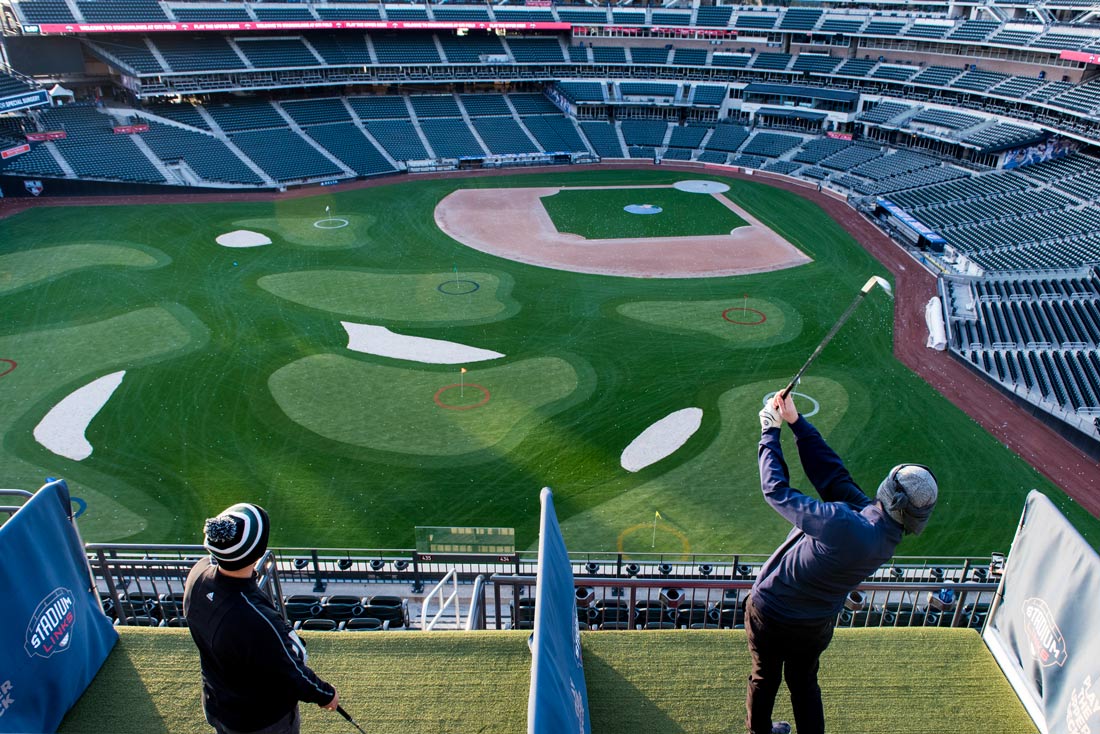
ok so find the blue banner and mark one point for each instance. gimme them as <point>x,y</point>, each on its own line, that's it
<point>558,703</point>
<point>55,635</point>
<point>911,222</point>
<point>35,98</point>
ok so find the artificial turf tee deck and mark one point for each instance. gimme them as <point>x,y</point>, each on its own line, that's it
<point>900,681</point>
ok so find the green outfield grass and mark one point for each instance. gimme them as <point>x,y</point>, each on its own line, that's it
<point>599,214</point>
<point>903,681</point>
<point>239,384</point>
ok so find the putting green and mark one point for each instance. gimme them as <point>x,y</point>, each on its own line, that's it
<point>321,232</point>
<point>421,298</point>
<point>51,364</point>
<point>598,213</point>
<point>424,412</point>
<point>31,267</point>
<point>703,499</point>
<point>741,322</point>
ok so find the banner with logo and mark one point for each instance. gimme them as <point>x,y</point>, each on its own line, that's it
<point>54,636</point>
<point>1043,631</point>
<point>558,703</point>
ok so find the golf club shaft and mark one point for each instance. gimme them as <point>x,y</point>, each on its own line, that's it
<point>828,337</point>
<point>346,715</point>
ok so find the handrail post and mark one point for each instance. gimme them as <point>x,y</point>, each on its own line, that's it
<point>319,586</point>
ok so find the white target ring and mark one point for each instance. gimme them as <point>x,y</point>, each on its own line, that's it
<point>324,223</point>
<point>813,411</point>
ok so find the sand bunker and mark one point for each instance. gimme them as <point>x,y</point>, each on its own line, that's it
<point>243,238</point>
<point>381,341</point>
<point>513,224</point>
<point>62,430</point>
<point>661,439</point>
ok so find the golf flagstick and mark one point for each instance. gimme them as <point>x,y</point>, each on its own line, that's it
<point>871,283</point>
<point>346,715</point>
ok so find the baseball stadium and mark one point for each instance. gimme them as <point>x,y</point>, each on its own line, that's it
<point>387,270</point>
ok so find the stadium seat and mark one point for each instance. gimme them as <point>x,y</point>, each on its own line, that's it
<point>174,622</point>
<point>341,606</point>
<point>296,610</point>
<point>363,624</point>
<point>316,625</point>
<point>141,621</point>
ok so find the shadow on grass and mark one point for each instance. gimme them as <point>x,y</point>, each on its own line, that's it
<point>617,706</point>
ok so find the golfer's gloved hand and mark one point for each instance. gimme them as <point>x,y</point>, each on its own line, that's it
<point>769,418</point>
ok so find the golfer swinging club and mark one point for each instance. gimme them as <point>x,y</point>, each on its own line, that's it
<point>254,669</point>
<point>836,543</point>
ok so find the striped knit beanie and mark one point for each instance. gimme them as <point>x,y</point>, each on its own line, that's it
<point>238,536</point>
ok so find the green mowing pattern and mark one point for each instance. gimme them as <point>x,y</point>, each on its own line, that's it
<point>903,681</point>
<point>598,214</point>
<point>400,298</point>
<point>195,426</point>
<point>24,269</point>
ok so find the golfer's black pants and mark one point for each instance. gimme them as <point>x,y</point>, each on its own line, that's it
<point>791,650</point>
<point>289,724</point>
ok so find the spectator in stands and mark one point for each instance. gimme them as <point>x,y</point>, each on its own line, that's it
<point>837,542</point>
<point>254,669</point>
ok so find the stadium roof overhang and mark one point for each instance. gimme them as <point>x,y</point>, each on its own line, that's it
<point>791,90</point>
<point>792,114</point>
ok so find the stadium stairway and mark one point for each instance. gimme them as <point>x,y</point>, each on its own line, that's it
<point>656,682</point>
<point>519,121</point>
<point>213,125</point>
<point>292,123</point>
<point>419,130</point>
<point>470,124</point>
<point>60,159</point>
<point>619,133</point>
<point>374,141</point>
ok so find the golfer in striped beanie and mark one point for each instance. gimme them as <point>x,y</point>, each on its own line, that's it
<point>237,537</point>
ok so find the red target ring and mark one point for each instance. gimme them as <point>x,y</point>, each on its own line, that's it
<point>438,397</point>
<point>743,310</point>
<point>11,366</point>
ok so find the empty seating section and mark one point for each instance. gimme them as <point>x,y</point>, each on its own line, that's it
<point>850,157</point>
<point>435,105</point>
<point>277,52</point>
<point>727,138</point>
<point>536,50</point>
<point>578,54</point>
<point>583,17</point>
<point>131,52</point>
<point>609,54</point>
<point>582,91</point>
<point>784,167</point>
<point>92,148</point>
<point>648,89</point>
<point>470,48</point>
<point>883,112</point>
<point>628,17</point>
<point>342,49</point>
<point>399,138</point>
<point>405,49</point>
<point>37,162</point>
<point>121,11</point>
<point>270,12</point>
<point>379,108</point>
<point>503,135</point>
<point>406,13</point>
<point>733,61</point>
<point>883,28</point>
<point>649,55</point>
<point>714,156</point>
<point>855,67</point>
<point>1017,87</point>
<point>9,85</point>
<point>913,180</point>
<point>484,104</point>
<point>820,148</point>
<point>973,30</point>
<point>894,73</point>
<point>1061,41</point>
<point>687,136</point>
<point>555,133</point>
<point>1048,90</point>
<point>717,16</point>
<point>46,11</point>
<point>649,133</point>
<point>709,94</point>
<point>927,30</point>
<point>228,13</point>
<point>893,164</point>
<point>663,18</point>
<point>451,138</point>
<point>1015,37</point>
<point>207,156</point>
<point>197,53</point>
<point>246,115</point>
<point>756,21</point>
<point>945,118</point>
<point>184,113</point>
<point>532,104</point>
<point>749,161</point>
<point>689,57</point>
<point>527,15</point>
<point>1001,135</point>
<point>640,152</point>
<point>800,19</point>
<point>603,138</point>
<point>1082,98</point>
<point>314,111</point>
<point>936,76</point>
<point>772,145</point>
<point>771,62</point>
<point>284,155</point>
<point>979,81</point>
<point>841,25</point>
<point>348,13</point>
<point>816,63</point>
<point>345,141</point>
<point>474,14</point>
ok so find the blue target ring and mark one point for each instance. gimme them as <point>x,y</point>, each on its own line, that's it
<point>459,291</point>
<point>81,506</point>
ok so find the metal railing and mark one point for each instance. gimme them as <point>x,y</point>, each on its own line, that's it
<point>12,509</point>
<point>444,603</point>
<point>636,604</point>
